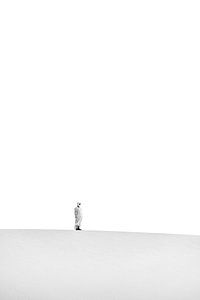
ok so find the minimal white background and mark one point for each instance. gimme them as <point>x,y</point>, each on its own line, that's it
<point>100,103</point>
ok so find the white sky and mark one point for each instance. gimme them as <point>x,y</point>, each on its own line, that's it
<point>100,102</point>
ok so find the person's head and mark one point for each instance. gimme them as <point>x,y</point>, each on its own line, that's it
<point>78,204</point>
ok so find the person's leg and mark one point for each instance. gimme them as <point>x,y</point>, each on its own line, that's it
<point>79,225</point>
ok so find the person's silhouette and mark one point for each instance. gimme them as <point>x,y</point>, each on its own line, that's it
<point>78,216</point>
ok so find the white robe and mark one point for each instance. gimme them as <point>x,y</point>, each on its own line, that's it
<point>78,216</point>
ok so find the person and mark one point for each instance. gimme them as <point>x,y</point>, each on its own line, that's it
<point>78,216</point>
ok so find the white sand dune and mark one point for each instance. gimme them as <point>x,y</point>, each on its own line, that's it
<point>59,264</point>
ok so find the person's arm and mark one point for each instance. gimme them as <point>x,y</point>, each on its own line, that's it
<point>75,212</point>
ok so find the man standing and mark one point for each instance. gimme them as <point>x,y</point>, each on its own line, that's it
<point>78,216</point>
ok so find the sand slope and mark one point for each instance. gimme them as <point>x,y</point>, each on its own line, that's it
<point>58,264</point>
